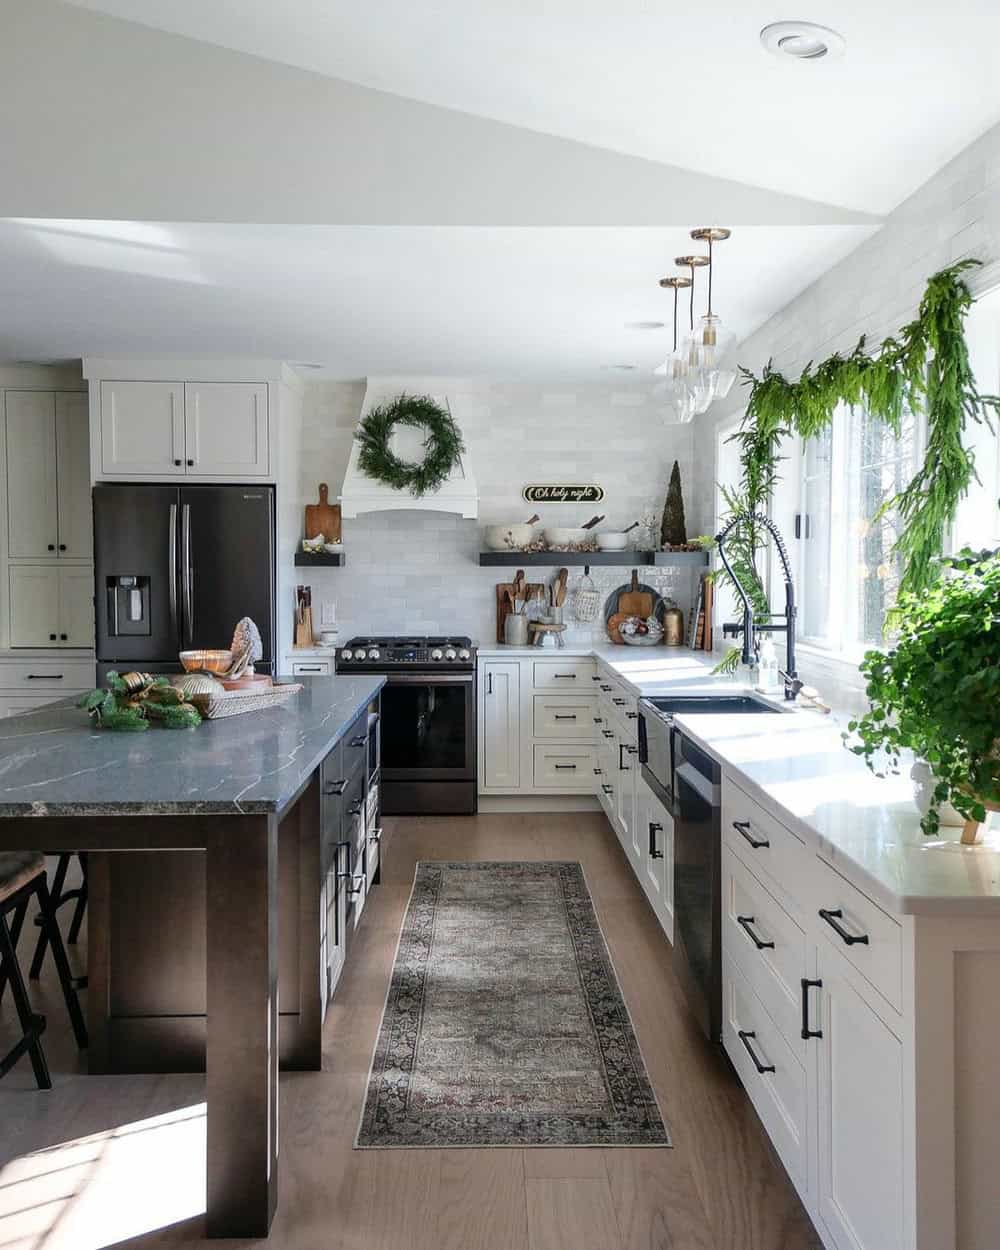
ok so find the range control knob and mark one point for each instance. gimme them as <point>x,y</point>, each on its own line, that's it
<point>374,653</point>
<point>450,653</point>
<point>437,654</point>
<point>465,654</point>
<point>347,654</point>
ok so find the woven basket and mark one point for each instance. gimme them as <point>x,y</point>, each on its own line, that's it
<point>236,702</point>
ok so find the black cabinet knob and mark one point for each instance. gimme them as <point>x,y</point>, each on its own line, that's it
<point>64,637</point>
<point>178,463</point>
<point>52,637</point>
<point>52,546</point>
<point>190,463</point>
<point>62,546</point>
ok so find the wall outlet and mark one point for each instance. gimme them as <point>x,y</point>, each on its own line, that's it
<point>328,614</point>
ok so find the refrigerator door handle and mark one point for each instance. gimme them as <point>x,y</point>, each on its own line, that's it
<point>171,569</point>
<point>186,572</point>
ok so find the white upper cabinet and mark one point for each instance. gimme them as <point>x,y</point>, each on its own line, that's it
<point>75,510</point>
<point>225,425</point>
<point>48,485</point>
<point>184,429</point>
<point>32,515</point>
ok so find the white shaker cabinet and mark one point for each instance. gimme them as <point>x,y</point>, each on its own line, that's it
<point>499,725</point>
<point>184,429</point>
<point>142,428</point>
<point>859,1192</point>
<point>74,507</point>
<point>51,605</point>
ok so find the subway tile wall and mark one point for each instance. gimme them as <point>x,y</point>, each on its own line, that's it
<point>419,571</point>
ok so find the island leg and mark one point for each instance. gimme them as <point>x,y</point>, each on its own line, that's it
<point>242,1051</point>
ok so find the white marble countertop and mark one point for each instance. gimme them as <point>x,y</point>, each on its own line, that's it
<point>865,827</point>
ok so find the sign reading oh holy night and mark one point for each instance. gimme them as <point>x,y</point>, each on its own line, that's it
<point>563,494</point>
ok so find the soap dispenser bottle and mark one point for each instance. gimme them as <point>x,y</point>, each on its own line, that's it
<point>767,668</point>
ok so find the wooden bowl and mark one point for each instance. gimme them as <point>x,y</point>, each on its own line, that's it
<point>206,661</point>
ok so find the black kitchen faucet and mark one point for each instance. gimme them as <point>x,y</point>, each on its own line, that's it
<point>792,683</point>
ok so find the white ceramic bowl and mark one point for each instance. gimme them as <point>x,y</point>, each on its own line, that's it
<point>508,537</point>
<point>612,541</point>
<point>562,537</point>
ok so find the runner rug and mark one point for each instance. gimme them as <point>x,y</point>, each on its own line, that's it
<point>504,1024</point>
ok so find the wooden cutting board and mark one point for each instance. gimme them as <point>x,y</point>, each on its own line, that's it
<point>323,517</point>
<point>614,625</point>
<point>635,602</point>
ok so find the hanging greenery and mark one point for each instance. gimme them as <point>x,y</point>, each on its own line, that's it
<point>925,367</point>
<point>443,443</point>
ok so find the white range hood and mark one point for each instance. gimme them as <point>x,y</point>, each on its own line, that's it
<point>360,493</point>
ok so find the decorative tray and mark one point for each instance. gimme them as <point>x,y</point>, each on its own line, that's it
<point>236,702</point>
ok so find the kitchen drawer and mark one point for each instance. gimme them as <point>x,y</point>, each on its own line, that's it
<point>565,768</point>
<point>779,1096</point>
<point>55,674</point>
<point>562,716</point>
<point>775,855</point>
<point>312,668</point>
<point>868,937</point>
<point>571,676</point>
<point>767,944</point>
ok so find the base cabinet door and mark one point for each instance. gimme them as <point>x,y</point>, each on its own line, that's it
<point>500,725</point>
<point>76,606</point>
<point>860,1120</point>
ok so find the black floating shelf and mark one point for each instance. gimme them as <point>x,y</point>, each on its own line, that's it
<point>553,559</point>
<point>319,559</point>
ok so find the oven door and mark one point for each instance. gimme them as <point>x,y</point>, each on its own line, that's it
<point>429,727</point>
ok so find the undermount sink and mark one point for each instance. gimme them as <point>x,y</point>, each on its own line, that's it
<point>712,704</point>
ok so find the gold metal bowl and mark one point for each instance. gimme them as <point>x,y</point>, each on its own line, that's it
<point>206,661</point>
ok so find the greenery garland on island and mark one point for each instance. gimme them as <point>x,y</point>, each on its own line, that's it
<point>443,443</point>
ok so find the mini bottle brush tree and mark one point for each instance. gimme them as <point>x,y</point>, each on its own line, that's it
<point>673,529</point>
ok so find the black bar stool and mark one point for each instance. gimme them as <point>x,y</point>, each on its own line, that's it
<point>60,895</point>
<point>22,876</point>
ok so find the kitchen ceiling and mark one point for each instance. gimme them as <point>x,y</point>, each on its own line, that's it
<point>501,302</point>
<point>684,84</point>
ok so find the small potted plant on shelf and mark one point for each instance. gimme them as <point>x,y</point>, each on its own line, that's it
<point>936,692</point>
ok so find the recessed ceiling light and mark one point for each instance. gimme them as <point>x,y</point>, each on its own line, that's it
<point>305,364</point>
<point>644,325</point>
<point>802,41</point>
<point>620,368</point>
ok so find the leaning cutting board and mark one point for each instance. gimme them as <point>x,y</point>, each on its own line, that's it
<point>323,517</point>
<point>636,600</point>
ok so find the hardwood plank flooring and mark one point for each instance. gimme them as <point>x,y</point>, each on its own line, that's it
<point>720,1188</point>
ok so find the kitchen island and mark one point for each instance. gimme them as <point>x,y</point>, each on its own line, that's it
<point>213,852</point>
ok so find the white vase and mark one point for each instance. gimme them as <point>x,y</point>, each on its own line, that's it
<point>923,795</point>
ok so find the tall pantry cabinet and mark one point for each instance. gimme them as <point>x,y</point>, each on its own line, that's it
<point>46,548</point>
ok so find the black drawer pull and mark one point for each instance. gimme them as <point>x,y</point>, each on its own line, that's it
<point>309,668</point>
<point>573,766</point>
<point>335,787</point>
<point>620,702</point>
<point>595,678</point>
<point>569,676</point>
<point>849,939</point>
<point>743,826</point>
<point>632,715</point>
<point>807,1032</point>
<point>375,835</point>
<point>654,828</point>
<point>597,772</point>
<point>607,687</point>
<point>608,733</point>
<point>745,922</point>
<point>355,808</point>
<point>745,1035</point>
<point>622,748</point>
<point>608,789</point>
<point>44,677</point>
<point>598,720</point>
<point>357,742</point>
<point>564,716</point>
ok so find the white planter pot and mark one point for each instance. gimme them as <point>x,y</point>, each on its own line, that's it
<point>923,794</point>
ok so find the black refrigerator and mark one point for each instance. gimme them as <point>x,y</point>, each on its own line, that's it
<point>176,567</point>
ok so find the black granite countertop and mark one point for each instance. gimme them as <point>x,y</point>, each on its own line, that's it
<point>54,763</point>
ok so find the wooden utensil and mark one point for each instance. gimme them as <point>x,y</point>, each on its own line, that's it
<point>323,517</point>
<point>505,600</point>
<point>636,602</point>
<point>614,623</point>
<point>559,588</point>
<point>594,520</point>
<point>629,528</point>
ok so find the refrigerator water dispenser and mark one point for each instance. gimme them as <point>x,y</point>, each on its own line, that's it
<point>128,605</point>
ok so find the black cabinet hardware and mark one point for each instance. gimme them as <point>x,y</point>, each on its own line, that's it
<point>52,546</point>
<point>607,733</point>
<point>178,463</point>
<point>564,716</point>
<point>335,787</point>
<point>571,766</point>
<point>310,668</point>
<point>620,702</point>
<point>190,463</point>
<point>358,742</point>
<point>632,715</point>
<point>52,637</point>
<point>807,1032</point>
<point>355,808</point>
<point>745,1035</point>
<point>44,677</point>
<point>375,836</point>
<point>654,828</point>
<point>743,827</point>
<point>607,687</point>
<point>568,676</point>
<point>489,683</point>
<point>595,678</point>
<point>598,720</point>
<point>608,789</point>
<point>849,939</point>
<point>745,922</point>
<point>622,766</point>
<point>62,546</point>
<point>64,637</point>
<point>597,772</point>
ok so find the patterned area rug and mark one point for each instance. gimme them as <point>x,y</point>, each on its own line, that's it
<point>504,1024</point>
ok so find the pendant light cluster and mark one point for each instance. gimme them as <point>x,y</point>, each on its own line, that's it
<point>696,372</point>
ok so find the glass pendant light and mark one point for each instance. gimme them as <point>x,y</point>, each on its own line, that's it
<point>712,343</point>
<point>674,369</point>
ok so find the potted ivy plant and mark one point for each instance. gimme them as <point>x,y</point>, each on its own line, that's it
<point>936,692</point>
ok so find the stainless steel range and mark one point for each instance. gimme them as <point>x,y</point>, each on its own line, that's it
<point>428,720</point>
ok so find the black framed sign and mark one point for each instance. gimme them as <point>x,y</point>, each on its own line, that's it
<point>563,494</point>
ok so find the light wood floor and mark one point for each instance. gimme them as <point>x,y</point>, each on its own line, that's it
<point>720,1188</point>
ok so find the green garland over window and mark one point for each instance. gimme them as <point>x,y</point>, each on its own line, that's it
<point>443,443</point>
<point>924,368</point>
